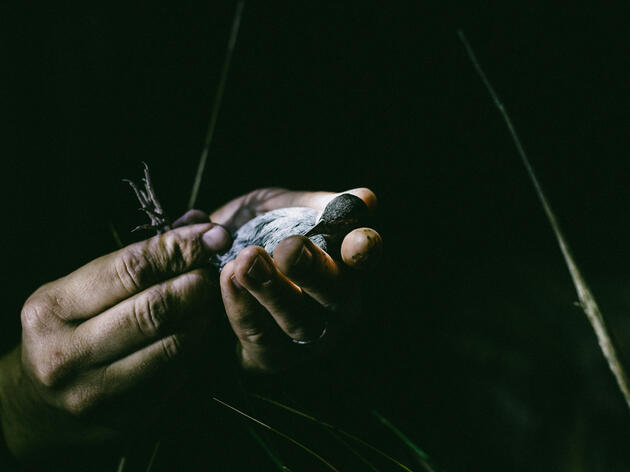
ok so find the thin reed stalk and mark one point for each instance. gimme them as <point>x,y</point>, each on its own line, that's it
<point>585,296</point>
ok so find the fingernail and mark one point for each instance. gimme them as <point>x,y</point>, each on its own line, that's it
<point>259,271</point>
<point>235,283</point>
<point>216,239</point>
<point>304,258</point>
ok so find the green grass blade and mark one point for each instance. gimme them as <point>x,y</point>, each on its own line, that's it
<point>335,429</point>
<point>279,433</point>
<point>121,464</point>
<point>400,435</point>
<point>339,439</point>
<point>356,453</point>
<point>422,456</point>
<point>274,458</point>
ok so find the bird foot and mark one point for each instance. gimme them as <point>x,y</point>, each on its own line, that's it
<point>149,204</point>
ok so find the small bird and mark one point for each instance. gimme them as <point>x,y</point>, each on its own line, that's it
<point>342,215</point>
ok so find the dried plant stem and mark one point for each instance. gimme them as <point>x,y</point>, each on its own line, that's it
<point>236,22</point>
<point>279,433</point>
<point>586,298</point>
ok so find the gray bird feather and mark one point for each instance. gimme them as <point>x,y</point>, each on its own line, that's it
<point>268,229</point>
<point>342,214</point>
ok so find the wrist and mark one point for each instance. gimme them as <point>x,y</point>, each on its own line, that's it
<point>6,458</point>
<point>13,399</point>
<point>33,430</point>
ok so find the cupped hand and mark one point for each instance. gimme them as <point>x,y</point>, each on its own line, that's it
<point>289,306</point>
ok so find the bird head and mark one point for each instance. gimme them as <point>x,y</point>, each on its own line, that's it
<point>342,215</point>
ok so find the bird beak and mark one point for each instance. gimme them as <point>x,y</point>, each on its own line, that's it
<point>319,228</point>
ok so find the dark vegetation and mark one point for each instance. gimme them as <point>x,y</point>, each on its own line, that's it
<point>470,344</point>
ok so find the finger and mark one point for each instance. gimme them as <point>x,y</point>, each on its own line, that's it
<point>250,322</point>
<point>362,248</point>
<point>144,318</point>
<point>191,217</point>
<point>158,358</point>
<point>312,269</point>
<point>111,381</point>
<point>316,200</point>
<point>110,279</point>
<point>254,269</point>
<point>262,344</point>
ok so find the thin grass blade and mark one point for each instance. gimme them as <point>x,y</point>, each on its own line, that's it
<point>337,438</point>
<point>585,296</point>
<point>334,429</point>
<point>279,433</point>
<point>121,464</point>
<point>156,448</point>
<point>423,457</point>
<point>274,458</point>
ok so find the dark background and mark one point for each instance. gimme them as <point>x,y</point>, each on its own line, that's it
<point>470,342</point>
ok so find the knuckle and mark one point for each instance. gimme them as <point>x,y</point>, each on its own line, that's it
<point>35,313</point>
<point>49,303</point>
<point>171,347</point>
<point>175,252</point>
<point>150,311</point>
<point>254,335</point>
<point>133,269</point>
<point>51,370</point>
<point>80,401</point>
<point>297,332</point>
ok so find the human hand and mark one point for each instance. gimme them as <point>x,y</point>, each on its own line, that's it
<point>105,331</point>
<point>296,294</point>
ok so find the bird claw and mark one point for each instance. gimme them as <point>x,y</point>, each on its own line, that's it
<point>143,227</point>
<point>149,204</point>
